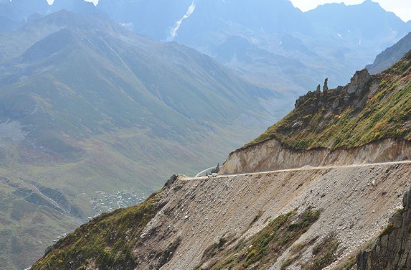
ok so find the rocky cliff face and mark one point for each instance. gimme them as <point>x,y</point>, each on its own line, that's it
<point>356,88</point>
<point>392,250</point>
<point>271,155</point>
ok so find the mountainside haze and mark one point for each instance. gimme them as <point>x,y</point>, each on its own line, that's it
<point>107,111</point>
<point>391,55</point>
<point>332,40</point>
<point>321,189</point>
<point>100,105</point>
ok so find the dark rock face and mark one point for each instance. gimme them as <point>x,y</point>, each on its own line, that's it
<point>318,89</point>
<point>358,86</point>
<point>358,82</point>
<point>171,181</point>
<point>392,250</point>
<point>325,88</point>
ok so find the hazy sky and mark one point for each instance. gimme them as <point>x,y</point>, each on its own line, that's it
<point>400,7</point>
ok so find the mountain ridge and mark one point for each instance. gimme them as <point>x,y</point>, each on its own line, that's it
<point>361,87</point>
<point>339,51</point>
<point>391,55</point>
<point>90,110</point>
<point>313,216</point>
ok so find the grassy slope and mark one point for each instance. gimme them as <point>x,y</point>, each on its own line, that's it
<point>263,249</point>
<point>103,242</point>
<point>385,114</point>
<point>104,110</point>
<point>106,241</point>
<point>26,228</point>
<point>109,157</point>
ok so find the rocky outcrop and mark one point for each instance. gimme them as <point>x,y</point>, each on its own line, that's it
<point>392,250</point>
<point>325,88</point>
<point>276,152</point>
<point>271,155</point>
<point>358,85</point>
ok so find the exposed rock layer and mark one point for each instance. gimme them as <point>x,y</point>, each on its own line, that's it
<point>392,250</point>
<point>270,155</point>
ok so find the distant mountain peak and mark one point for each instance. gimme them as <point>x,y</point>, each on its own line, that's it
<point>391,55</point>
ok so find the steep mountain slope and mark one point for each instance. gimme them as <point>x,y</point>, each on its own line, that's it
<point>359,109</point>
<point>376,24</point>
<point>303,218</point>
<point>370,109</point>
<point>391,55</point>
<point>7,25</point>
<point>93,116</point>
<point>340,38</point>
<point>276,220</point>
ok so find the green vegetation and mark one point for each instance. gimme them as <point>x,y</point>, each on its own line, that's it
<point>215,248</point>
<point>331,121</point>
<point>297,252</point>
<point>107,240</point>
<point>389,229</point>
<point>23,224</point>
<point>98,108</point>
<point>265,247</point>
<point>324,253</point>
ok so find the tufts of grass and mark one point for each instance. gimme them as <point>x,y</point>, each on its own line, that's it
<point>324,253</point>
<point>389,229</point>
<point>297,251</point>
<point>264,248</point>
<point>352,123</point>
<point>107,240</point>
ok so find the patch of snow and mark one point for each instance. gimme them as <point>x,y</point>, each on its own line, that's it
<point>174,30</point>
<point>129,26</point>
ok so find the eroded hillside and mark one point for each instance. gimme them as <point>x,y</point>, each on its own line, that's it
<point>266,220</point>
<point>296,215</point>
<point>368,120</point>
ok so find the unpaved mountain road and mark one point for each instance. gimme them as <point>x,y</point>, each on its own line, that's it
<point>305,168</point>
<point>356,202</point>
